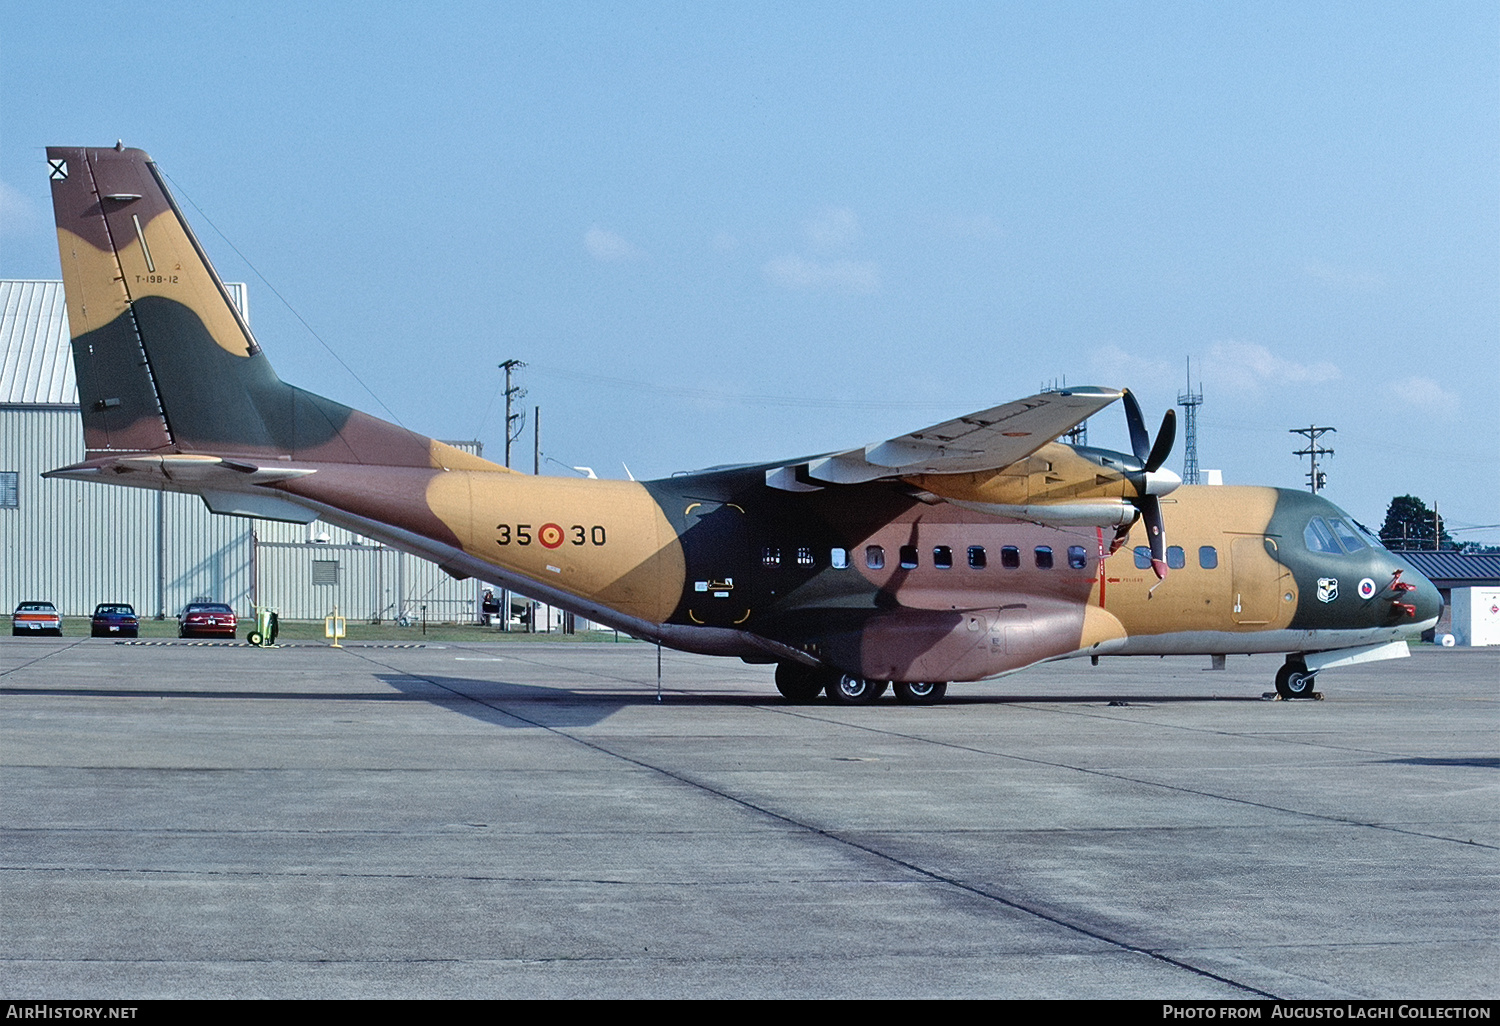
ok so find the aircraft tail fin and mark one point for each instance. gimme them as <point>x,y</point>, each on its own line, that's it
<point>165,362</point>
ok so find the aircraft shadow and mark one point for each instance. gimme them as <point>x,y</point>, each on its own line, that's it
<point>531,705</point>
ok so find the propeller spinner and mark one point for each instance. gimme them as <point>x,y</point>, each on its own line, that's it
<point>1156,482</point>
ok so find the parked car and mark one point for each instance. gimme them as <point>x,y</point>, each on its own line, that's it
<point>207,620</point>
<point>35,618</point>
<point>114,620</point>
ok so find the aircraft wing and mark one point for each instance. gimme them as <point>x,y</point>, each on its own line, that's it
<point>988,440</point>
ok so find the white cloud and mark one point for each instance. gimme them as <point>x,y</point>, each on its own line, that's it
<point>1114,367</point>
<point>1246,367</point>
<point>849,276</point>
<point>1424,393</point>
<point>17,215</point>
<point>606,246</point>
<point>833,229</point>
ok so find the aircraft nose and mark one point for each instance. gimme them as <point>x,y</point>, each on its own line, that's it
<point>1429,601</point>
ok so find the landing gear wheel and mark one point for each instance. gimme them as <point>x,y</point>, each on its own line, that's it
<point>846,689</point>
<point>798,683</point>
<point>920,692</point>
<point>1294,681</point>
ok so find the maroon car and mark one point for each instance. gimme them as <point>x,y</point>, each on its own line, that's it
<point>207,620</point>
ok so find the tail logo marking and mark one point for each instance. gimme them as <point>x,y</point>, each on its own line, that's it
<point>57,170</point>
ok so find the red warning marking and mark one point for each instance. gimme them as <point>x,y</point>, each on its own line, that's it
<point>550,535</point>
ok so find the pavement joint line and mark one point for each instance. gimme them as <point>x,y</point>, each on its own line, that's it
<point>48,655</point>
<point>930,874</point>
<point>1317,816</point>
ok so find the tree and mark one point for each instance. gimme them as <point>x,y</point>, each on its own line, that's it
<point>1409,524</point>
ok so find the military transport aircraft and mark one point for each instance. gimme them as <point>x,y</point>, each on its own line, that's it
<point>959,552</point>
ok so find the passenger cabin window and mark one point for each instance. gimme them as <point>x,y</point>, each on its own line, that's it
<point>1078,557</point>
<point>1010,557</point>
<point>1176,558</point>
<point>976,557</point>
<point>838,559</point>
<point>770,556</point>
<point>1208,557</point>
<point>942,557</point>
<point>1142,558</point>
<point>1319,537</point>
<point>875,557</point>
<point>908,557</point>
<point>1044,557</point>
<point>804,556</point>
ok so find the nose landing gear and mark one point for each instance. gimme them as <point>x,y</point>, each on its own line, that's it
<point>1295,680</point>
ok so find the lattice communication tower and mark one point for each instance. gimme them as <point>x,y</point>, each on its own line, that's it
<point>1190,401</point>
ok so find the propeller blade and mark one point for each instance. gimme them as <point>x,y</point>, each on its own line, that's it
<point>1156,534</point>
<point>1164,439</point>
<point>1140,442</point>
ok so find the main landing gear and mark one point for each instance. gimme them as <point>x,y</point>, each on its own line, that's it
<point>802,684</point>
<point>1294,679</point>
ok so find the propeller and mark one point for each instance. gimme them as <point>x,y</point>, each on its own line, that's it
<point>1153,483</point>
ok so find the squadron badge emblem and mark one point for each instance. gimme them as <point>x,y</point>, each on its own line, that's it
<point>1328,589</point>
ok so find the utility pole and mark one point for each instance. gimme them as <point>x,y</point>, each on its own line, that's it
<point>1190,401</point>
<point>512,432</point>
<point>1316,479</point>
<point>536,442</point>
<point>512,393</point>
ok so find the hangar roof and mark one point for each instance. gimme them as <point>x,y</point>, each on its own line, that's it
<point>1455,569</point>
<point>36,360</point>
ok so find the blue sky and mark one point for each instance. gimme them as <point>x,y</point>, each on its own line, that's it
<point>733,232</point>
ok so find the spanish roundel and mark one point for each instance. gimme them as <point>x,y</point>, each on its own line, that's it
<point>550,535</point>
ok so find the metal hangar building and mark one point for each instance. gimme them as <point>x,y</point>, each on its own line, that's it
<point>75,544</point>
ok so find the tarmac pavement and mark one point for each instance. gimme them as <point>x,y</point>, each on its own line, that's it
<point>526,820</point>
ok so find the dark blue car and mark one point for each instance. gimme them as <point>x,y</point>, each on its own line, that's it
<point>114,620</point>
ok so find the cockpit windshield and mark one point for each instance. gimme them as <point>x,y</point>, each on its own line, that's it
<point>1332,535</point>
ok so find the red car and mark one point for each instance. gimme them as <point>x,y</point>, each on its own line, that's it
<point>207,620</point>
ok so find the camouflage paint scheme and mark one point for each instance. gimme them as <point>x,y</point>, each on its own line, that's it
<point>176,394</point>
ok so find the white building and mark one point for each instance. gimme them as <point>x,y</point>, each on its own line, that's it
<point>77,544</point>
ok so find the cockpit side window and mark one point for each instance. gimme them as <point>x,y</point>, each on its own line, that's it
<point>1319,538</point>
<point>1351,541</point>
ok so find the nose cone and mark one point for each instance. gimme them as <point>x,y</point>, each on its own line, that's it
<point>1427,599</point>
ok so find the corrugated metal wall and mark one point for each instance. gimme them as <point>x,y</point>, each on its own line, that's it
<point>77,544</point>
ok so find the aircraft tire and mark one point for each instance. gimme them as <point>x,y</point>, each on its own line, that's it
<point>800,684</point>
<point>920,692</point>
<point>1293,680</point>
<point>847,689</point>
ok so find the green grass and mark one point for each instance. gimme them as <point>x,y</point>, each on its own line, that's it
<point>312,630</point>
